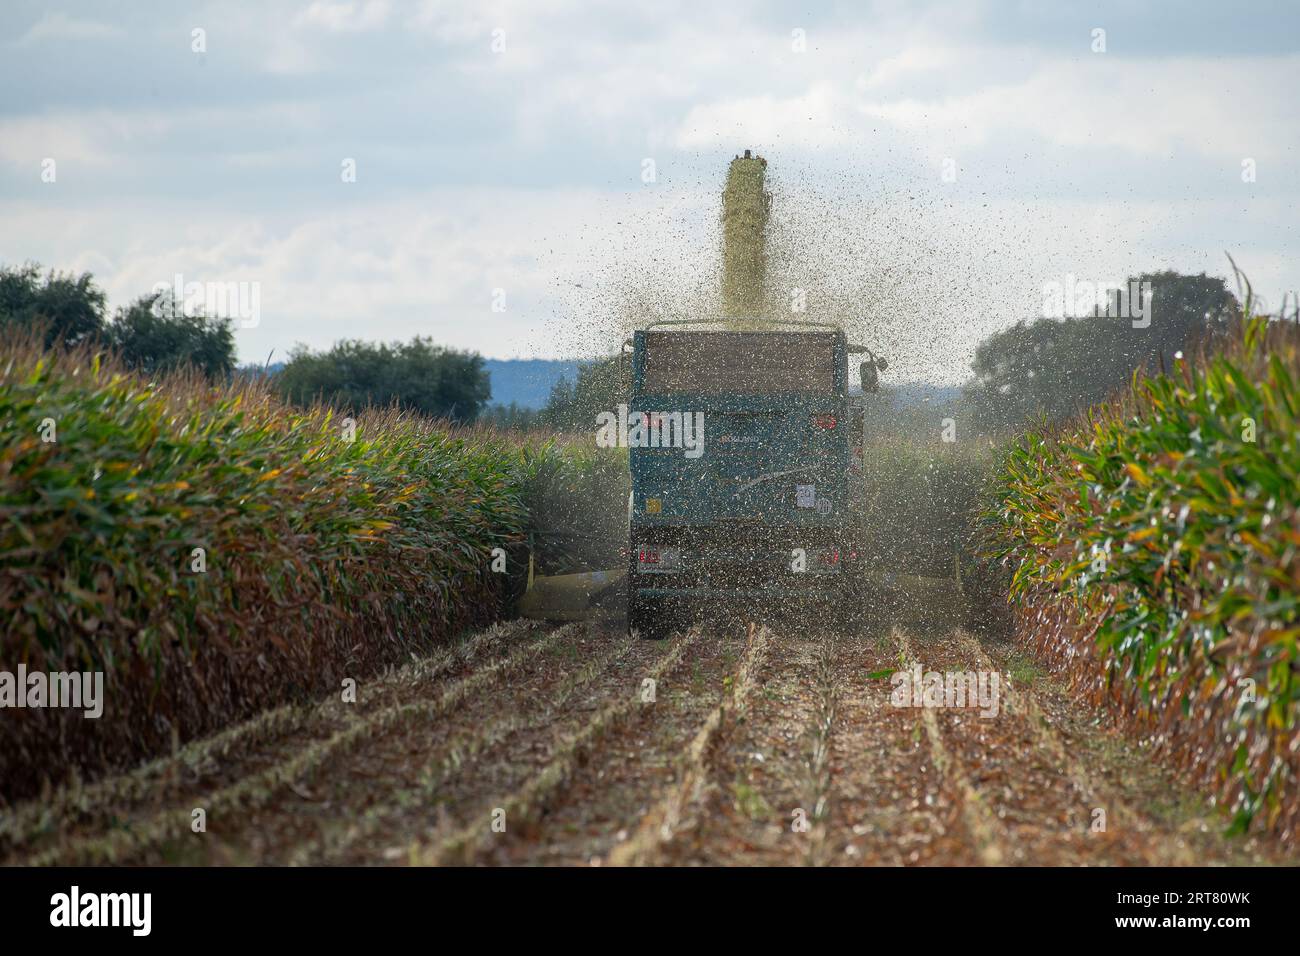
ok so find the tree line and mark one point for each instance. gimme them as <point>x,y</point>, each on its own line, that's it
<point>156,336</point>
<point>1042,368</point>
<point>1055,367</point>
<point>71,310</point>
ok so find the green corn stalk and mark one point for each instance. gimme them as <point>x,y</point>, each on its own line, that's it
<point>1169,526</point>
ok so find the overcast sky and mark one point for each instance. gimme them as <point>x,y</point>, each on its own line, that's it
<point>501,147</point>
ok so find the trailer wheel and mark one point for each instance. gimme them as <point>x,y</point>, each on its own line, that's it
<point>649,619</point>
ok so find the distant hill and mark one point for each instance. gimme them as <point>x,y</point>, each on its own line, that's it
<point>908,394</point>
<point>527,382</point>
<point>916,394</point>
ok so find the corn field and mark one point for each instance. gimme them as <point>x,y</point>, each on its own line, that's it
<point>215,551</point>
<point>1153,558</point>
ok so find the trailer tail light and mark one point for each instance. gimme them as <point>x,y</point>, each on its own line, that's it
<point>825,421</point>
<point>828,560</point>
<point>822,561</point>
<point>650,558</point>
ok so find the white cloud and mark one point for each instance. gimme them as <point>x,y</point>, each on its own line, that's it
<point>911,61</point>
<point>91,138</point>
<point>25,141</point>
<point>60,26</point>
<point>127,138</point>
<point>344,16</point>
<point>821,117</point>
<point>1217,108</point>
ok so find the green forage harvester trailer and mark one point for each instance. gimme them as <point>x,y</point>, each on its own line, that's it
<point>756,514</point>
<point>753,508</point>
<point>760,517</point>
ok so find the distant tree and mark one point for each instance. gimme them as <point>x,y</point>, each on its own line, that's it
<point>1058,367</point>
<point>514,417</point>
<point>70,308</point>
<point>154,335</point>
<point>416,375</point>
<point>600,386</point>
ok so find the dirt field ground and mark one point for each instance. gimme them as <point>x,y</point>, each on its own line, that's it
<point>726,744</point>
